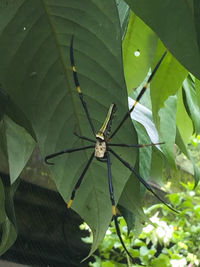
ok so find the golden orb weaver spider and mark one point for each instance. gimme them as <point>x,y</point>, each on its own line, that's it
<point>102,146</point>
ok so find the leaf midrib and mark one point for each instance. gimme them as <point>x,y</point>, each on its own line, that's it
<point>71,93</point>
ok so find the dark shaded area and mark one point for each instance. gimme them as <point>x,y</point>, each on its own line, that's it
<point>48,233</point>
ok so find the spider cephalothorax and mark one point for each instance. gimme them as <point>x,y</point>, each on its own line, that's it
<point>103,147</point>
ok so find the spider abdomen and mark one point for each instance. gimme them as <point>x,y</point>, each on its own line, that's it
<point>100,149</point>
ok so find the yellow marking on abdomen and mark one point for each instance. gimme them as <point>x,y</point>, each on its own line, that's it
<point>69,204</point>
<point>74,68</point>
<point>79,89</point>
<point>114,210</point>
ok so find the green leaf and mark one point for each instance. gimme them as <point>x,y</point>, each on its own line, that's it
<point>18,116</point>
<point>42,86</point>
<point>7,218</point>
<point>2,203</point>
<point>167,81</point>
<point>18,145</point>
<point>9,235</point>
<point>183,148</point>
<point>180,36</point>
<point>144,251</point>
<point>143,115</point>
<point>197,86</point>
<point>131,198</point>
<point>157,165</point>
<point>168,128</point>
<point>8,107</point>
<point>124,13</point>
<point>128,216</point>
<point>196,9</point>
<point>3,101</point>
<point>139,38</point>
<point>191,102</point>
<point>184,125</point>
<point>162,260</point>
<point>144,153</point>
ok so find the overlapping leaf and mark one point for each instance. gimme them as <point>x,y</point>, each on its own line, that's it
<point>18,146</point>
<point>166,82</point>
<point>176,23</point>
<point>142,40</point>
<point>124,14</point>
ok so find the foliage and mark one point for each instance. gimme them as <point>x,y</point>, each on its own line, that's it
<point>39,104</point>
<point>170,240</point>
<point>7,216</point>
<point>194,148</point>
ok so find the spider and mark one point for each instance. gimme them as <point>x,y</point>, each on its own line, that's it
<point>102,146</point>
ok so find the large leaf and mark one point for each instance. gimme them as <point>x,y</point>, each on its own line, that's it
<point>42,85</point>
<point>177,25</point>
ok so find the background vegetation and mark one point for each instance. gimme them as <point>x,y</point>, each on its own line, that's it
<point>165,240</point>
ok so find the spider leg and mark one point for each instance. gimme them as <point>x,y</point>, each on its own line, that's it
<point>137,145</point>
<point>138,97</point>
<point>77,185</point>
<point>114,211</point>
<point>84,137</point>
<point>65,151</point>
<point>148,187</point>
<point>76,81</point>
